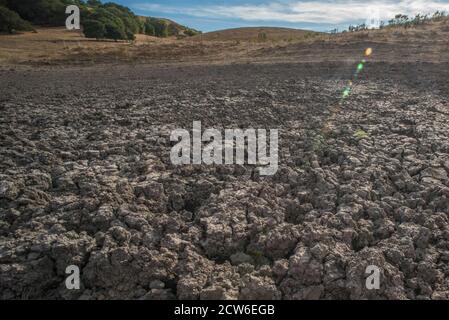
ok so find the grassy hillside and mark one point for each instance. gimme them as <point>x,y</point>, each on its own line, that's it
<point>256,33</point>
<point>162,27</point>
<point>100,21</point>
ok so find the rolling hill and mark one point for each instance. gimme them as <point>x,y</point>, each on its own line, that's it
<point>256,33</point>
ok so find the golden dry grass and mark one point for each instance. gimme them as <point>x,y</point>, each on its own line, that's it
<point>60,46</point>
<point>257,34</point>
<point>47,45</point>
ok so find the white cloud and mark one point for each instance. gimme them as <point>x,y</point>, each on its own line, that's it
<point>330,12</point>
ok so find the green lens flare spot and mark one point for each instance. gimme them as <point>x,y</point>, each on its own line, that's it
<point>360,67</point>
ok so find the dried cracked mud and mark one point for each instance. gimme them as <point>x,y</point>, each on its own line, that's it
<point>86,180</point>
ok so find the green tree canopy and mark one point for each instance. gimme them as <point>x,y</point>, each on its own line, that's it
<point>114,21</point>
<point>10,21</point>
<point>40,12</point>
<point>94,29</point>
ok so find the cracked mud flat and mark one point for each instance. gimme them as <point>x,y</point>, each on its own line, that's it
<point>86,180</point>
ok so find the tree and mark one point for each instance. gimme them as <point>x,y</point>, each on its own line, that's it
<point>94,29</point>
<point>191,32</point>
<point>160,27</point>
<point>40,12</point>
<point>130,35</point>
<point>114,31</point>
<point>148,28</point>
<point>94,3</point>
<point>130,21</point>
<point>119,22</point>
<point>11,22</point>
<point>114,21</point>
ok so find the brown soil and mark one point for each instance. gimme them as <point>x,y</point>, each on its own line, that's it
<point>86,177</point>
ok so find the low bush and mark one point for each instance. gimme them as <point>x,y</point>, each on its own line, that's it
<point>11,22</point>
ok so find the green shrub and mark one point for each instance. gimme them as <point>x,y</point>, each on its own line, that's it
<point>130,35</point>
<point>262,36</point>
<point>119,22</point>
<point>113,21</point>
<point>115,31</point>
<point>94,29</point>
<point>129,19</point>
<point>94,3</point>
<point>114,26</point>
<point>10,21</point>
<point>40,12</point>
<point>148,28</point>
<point>160,27</point>
<point>191,32</point>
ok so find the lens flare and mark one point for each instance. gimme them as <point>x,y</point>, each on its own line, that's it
<point>336,108</point>
<point>360,67</point>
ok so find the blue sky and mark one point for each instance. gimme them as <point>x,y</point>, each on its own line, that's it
<point>320,15</point>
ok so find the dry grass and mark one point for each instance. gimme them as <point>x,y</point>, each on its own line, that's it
<point>59,46</point>
<point>256,34</point>
<point>48,45</point>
